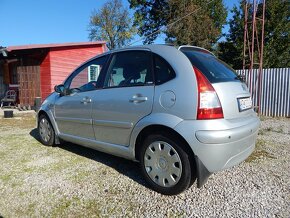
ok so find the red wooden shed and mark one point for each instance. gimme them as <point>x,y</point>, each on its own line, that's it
<point>35,69</point>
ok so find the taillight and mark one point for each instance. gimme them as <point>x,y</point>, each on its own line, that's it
<point>209,106</point>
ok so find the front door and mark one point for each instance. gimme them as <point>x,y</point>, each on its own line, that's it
<point>73,114</point>
<point>29,84</point>
<point>126,97</point>
<point>73,111</point>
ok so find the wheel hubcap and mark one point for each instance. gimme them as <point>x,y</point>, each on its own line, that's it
<point>163,164</point>
<point>45,130</point>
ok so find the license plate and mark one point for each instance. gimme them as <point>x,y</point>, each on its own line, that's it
<point>245,103</point>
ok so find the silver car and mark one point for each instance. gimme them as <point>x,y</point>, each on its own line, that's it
<point>181,112</point>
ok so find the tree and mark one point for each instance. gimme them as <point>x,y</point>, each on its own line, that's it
<point>150,16</point>
<point>112,24</point>
<point>231,50</point>
<point>201,28</point>
<point>277,26</point>
<point>276,36</point>
<point>228,52</point>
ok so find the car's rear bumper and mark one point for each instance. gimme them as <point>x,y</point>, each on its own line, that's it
<point>220,144</point>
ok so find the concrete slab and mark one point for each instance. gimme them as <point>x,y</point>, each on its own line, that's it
<point>16,112</point>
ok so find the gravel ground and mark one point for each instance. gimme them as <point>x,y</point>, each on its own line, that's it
<point>72,181</point>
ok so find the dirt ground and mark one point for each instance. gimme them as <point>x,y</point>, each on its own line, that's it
<point>73,181</point>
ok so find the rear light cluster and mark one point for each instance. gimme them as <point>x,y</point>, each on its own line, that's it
<point>209,106</point>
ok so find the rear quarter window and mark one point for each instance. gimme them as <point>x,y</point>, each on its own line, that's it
<point>163,70</point>
<point>214,69</point>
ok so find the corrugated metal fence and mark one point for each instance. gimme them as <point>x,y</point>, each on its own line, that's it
<point>274,94</point>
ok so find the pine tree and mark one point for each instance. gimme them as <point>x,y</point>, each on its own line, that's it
<point>201,28</point>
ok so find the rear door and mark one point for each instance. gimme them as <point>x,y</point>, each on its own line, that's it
<point>126,97</point>
<point>233,94</point>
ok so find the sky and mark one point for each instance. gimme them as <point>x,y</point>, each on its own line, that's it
<point>51,21</point>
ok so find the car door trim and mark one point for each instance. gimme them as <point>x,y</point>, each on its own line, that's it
<point>116,124</point>
<point>74,120</point>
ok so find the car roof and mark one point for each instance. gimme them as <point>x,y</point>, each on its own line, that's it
<point>160,46</point>
<point>196,48</point>
<point>160,49</point>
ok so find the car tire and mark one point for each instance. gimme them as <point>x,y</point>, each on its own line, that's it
<point>45,131</point>
<point>165,165</point>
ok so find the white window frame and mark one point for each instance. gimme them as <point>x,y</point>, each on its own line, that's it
<point>97,72</point>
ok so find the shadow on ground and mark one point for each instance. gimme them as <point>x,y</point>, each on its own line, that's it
<point>126,167</point>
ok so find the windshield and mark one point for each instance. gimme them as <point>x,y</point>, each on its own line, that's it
<point>214,69</point>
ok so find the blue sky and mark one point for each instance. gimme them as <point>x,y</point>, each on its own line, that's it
<point>50,21</point>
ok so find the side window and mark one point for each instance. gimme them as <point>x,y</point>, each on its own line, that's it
<point>129,68</point>
<point>87,77</point>
<point>163,71</point>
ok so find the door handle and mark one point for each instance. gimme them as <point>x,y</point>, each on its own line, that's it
<point>86,100</point>
<point>138,98</point>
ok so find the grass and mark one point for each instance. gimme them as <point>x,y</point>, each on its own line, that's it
<point>279,130</point>
<point>63,205</point>
<point>26,164</point>
<point>259,152</point>
<point>5,178</point>
<point>40,181</point>
<point>24,121</point>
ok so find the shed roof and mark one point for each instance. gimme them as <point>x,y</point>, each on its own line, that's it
<point>54,45</point>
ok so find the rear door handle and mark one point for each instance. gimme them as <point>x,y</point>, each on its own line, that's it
<point>138,99</point>
<point>86,100</point>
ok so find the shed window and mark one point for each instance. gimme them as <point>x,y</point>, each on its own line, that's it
<point>93,72</point>
<point>87,77</point>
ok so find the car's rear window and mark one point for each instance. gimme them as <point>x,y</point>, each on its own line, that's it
<point>214,69</point>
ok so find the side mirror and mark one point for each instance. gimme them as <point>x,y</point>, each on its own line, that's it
<point>59,89</point>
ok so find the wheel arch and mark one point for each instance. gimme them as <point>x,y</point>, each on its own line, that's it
<point>42,112</point>
<point>158,128</point>
<point>162,129</point>
<point>49,115</point>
